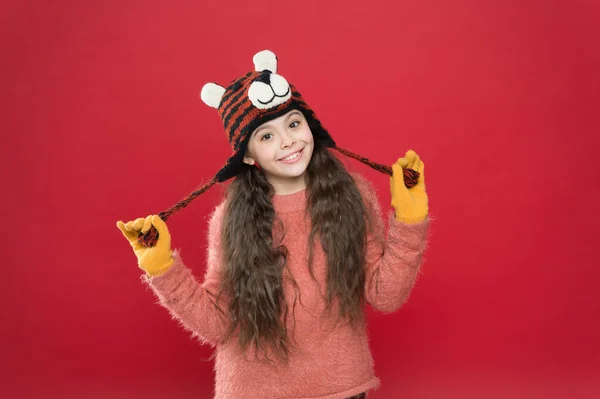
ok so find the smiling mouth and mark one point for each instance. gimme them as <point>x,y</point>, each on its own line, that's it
<point>299,152</point>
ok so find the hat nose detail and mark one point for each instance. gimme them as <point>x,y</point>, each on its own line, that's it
<point>264,77</point>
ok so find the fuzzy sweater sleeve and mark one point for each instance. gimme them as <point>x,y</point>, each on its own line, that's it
<point>392,262</point>
<point>188,301</point>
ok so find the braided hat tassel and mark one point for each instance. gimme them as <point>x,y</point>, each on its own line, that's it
<point>411,177</point>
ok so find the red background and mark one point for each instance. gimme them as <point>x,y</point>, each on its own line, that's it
<point>101,121</point>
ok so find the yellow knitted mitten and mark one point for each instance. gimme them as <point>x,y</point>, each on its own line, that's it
<point>153,260</point>
<point>410,204</point>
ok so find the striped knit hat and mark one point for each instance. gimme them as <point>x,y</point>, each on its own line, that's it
<point>248,102</point>
<point>253,99</point>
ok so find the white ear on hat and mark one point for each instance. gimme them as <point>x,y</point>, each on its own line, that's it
<point>265,59</point>
<point>212,94</point>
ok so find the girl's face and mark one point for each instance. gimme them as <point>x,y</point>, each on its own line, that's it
<point>271,145</point>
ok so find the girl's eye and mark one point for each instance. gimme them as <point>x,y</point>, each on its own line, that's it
<point>294,124</point>
<point>265,135</point>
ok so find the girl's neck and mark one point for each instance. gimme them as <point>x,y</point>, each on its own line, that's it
<point>288,187</point>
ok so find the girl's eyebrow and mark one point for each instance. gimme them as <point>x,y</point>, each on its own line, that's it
<point>295,112</point>
<point>260,128</point>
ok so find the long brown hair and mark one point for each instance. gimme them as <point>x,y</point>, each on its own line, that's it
<point>255,267</point>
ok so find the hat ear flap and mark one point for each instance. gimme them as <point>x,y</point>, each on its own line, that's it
<point>212,94</point>
<point>265,59</point>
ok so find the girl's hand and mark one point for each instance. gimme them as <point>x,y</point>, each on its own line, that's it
<point>410,204</point>
<point>153,260</point>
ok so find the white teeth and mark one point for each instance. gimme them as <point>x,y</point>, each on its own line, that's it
<point>296,155</point>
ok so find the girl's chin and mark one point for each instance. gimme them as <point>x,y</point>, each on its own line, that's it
<point>289,173</point>
<point>292,169</point>
<point>292,175</point>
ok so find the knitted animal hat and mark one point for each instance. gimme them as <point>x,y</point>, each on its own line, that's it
<point>253,99</point>
<point>249,101</point>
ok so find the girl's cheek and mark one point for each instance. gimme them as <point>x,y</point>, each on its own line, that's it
<point>269,150</point>
<point>273,145</point>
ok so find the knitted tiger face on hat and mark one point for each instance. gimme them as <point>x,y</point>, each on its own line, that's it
<point>253,99</point>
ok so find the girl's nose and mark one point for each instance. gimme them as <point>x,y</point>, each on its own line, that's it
<point>287,140</point>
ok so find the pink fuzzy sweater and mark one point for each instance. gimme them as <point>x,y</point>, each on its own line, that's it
<point>327,361</point>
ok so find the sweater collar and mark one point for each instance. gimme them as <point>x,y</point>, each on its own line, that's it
<point>290,202</point>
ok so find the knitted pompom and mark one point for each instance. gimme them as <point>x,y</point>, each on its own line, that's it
<point>411,177</point>
<point>150,238</point>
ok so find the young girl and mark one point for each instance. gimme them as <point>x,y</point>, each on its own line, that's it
<point>295,250</point>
